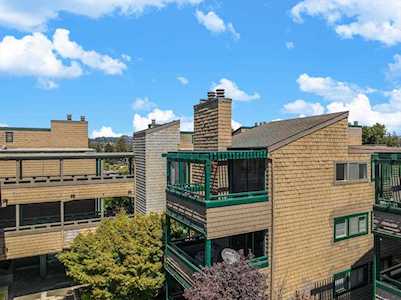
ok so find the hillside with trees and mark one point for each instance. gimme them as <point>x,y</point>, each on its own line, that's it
<point>111,144</point>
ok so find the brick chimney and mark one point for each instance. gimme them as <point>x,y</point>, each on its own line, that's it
<point>212,122</point>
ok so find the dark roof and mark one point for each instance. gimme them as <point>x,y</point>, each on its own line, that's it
<point>276,134</point>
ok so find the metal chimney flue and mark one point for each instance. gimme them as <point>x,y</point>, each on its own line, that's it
<point>220,93</point>
<point>211,95</point>
<point>69,117</point>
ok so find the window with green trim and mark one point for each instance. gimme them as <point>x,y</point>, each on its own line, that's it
<point>351,279</point>
<point>350,226</point>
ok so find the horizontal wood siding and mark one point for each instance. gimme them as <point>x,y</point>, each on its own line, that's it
<point>159,142</point>
<point>24,195</point>
<point>140,173</point>
<point>237,219</point>
<point>15,245</point>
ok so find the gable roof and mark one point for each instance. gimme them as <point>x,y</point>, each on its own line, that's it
<point>276,134</point>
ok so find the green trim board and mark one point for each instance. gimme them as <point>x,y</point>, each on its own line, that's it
<point>177,277</point>
<point>215,155</point>
<point>23,129</point>
<point>345,223</point>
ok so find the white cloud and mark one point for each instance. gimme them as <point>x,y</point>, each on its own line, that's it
<point>47,84</point>
<point>183,80</point>
<point>143,104</point>
<point>233,91</point>
<point>235,125</point>
<point>342,96</point>
<point>141,122</point>
<point>328,88</point>
<point>3,125</point>
<point>126,57</point>
<point>302,107</point>
<point>290,45</point>
<point>215,24</point>
<point>33,16</point>
<point>394,69</point>
<point>71,50</point>
<point>105,131</point>
<point>377,20</point>
<point>60,58</point>
<point>34,55</point>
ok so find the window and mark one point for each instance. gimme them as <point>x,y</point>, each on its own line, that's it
<point>350,226</point>
<point>9,137</point>
<point>350,279</point>
<point>352,171</point>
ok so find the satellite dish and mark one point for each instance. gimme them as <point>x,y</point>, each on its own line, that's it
<point>230,256</point>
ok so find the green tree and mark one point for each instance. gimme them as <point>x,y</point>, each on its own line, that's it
<point>122,260</point>
<point>121,145</point>
<point>377,134</point>
<point>109,147</point>
<point>374,135</point>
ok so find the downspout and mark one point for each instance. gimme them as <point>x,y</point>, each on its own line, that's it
<point>271,191</point>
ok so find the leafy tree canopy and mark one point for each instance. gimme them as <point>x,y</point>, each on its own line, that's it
<point>223,281</point>
<point>122,260</point>
<point>378,134</point>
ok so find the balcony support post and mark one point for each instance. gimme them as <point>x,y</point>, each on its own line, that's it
<point>17,217</point>
<point>376,263</point>
<point>101,207</point>
<point>61,167</point>
<point>43,265</point>
<point>62,213</point>
<point>208,253</point>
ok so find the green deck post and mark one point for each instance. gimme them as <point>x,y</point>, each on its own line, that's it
<point>376,264</point>
<point>167,230</point>
<point>208,253</point>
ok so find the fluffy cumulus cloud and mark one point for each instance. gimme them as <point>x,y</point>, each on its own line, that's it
<point>233,91</point>
<point>302,107</point>
<point>341,96</point>
<point>49,59</point>
<point>212,22</point>
<point>377,20</point>
<point>143,104</point>
<point>183,80</point>
<point>142,120</point>
<point>105,131</point>
<point>33,15</point>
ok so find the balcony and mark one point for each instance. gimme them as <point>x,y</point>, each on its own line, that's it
<point>42,228</point>
<point>188,251</point>
<point>202,187</point>
<point>42,177</point>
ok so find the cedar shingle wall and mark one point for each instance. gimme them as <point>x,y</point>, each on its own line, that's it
<point>306,200</point>
<point>26,139</point>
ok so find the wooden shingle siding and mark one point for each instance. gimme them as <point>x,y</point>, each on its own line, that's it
<point>212,125</point>
<point>305,202</point>
<point>237,219</point>
<point>62,134</point>
<point>57,192</point>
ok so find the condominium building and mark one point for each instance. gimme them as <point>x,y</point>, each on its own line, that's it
<point>296,194</point>
<point>53,187</point>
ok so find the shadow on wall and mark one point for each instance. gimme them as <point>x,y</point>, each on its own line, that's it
<point>359,274</point>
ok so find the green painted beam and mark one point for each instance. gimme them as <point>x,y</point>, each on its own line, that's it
<point>204,156</point>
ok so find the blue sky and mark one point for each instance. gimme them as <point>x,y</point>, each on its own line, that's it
<point>124,62</point>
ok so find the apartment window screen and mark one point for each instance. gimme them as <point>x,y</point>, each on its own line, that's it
<point>9,137</point>
<point>352,171</point>
<point>350,226</point>
<point>350,279</point>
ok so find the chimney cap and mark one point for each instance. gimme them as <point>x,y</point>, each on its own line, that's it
<point>69,117</point>
<point>220,93</point>
<point>83,118</point>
